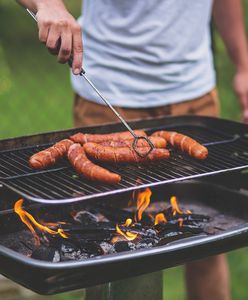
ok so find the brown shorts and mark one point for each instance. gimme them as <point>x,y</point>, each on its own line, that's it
<point>89,113</point>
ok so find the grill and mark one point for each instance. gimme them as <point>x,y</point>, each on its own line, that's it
<point>227,143</point>
<point>227,208</point>
<point>47,277</point>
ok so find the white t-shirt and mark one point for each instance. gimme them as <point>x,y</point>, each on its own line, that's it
<point>146,53</point>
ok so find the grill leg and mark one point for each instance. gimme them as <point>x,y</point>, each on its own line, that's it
<point>144,287</point>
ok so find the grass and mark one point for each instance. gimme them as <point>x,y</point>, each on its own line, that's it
<point>35,96</point>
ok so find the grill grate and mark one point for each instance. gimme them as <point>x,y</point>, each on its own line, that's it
<point>62,184</point>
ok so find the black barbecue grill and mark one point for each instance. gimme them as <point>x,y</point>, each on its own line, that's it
<point>227,143</point>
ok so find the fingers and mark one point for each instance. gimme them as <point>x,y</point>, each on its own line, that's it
<point>43,32</point>
<point>77,50</point>
<point>245,116</point>
<point>66,47</point>
<point>53,38</point>
<point>241,89</point>
<point>62,37</point>
<point>243,98</point>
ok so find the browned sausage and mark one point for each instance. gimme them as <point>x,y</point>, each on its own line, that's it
<point>83,138</point>
<point>157,141</point>
<point>50,156</point>
<point>184,143</point>
<point>123,154</point>
<point>83,165</point>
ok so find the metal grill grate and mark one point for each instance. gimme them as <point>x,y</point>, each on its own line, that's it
<point>62,184</point>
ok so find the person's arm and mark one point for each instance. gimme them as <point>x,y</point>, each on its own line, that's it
<point>58,30</point>
<point>228,17</point>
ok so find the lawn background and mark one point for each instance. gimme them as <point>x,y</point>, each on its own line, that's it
<point>35,96</point>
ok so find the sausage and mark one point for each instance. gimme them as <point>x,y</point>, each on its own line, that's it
<point>123,154</point>
<point>157,141</point>
<point>184,143</point>
<point>49,156</point>
<point>83,165</point>
<point>83,138</point>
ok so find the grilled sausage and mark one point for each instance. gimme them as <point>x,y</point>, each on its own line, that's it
<point>184,143</point>
<point>157,141</point>
<point>83,138</point>
<point>123,154</point>
<point>50,156</point>
<point>83,165</point>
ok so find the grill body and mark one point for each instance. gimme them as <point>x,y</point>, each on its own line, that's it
<point>50,278</point>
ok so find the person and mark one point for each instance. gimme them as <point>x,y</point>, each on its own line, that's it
<point>150,58</point>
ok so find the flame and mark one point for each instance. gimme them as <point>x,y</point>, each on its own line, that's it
<point>180,222</point>
<point>130,236</point>
<point>175,207</point>
<point>29,221</point>
<point>160,218</point>
<point>143,200</point>
<point>138,181</point>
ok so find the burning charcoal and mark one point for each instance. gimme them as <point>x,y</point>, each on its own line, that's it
<point>84,217</point>
<point>107,248</point>
<point>190,218</point>
<point>69,251</point>
<point>123,246</point>
<point>146,243</point>
<point>46,253</point>
<point>151,233</point>
<point>92,248</point>
<point>170,227</point>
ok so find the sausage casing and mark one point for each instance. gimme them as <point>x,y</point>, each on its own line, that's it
<point>83,165</point>
<point>83,138</point>
<point>50,156</point>
<point>184,143</point>
<point>157,141</point>
<point>124,154</point>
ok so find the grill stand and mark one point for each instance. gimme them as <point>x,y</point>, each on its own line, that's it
<point>144,287</point>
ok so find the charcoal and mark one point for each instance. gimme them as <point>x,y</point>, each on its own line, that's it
<point>46,253</point>
<point>92,248</point>
<point>146,243</point>
<point>151,233</point>
<point>168,227</point>
<point>69,251</point>
<point>84,217</point>
<point>107,248</point>
<point>123,246</point>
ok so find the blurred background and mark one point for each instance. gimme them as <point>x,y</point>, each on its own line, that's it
<point>35,96</point>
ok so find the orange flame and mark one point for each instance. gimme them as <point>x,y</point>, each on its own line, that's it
<point>29,220</point>
<point>180,222</point>
<point>143,201</point>
<point>130,236</point>
<point>160,218</point>
<point>175,207</point>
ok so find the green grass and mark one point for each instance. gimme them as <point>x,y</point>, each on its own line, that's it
<point>35,96</point>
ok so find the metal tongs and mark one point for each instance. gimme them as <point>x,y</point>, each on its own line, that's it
<point>136,137</point>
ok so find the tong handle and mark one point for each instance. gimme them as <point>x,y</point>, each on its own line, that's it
<point>82,73</point>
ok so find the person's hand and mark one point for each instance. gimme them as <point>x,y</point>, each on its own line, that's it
<point>240,84</point>
<point>60,32</point>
